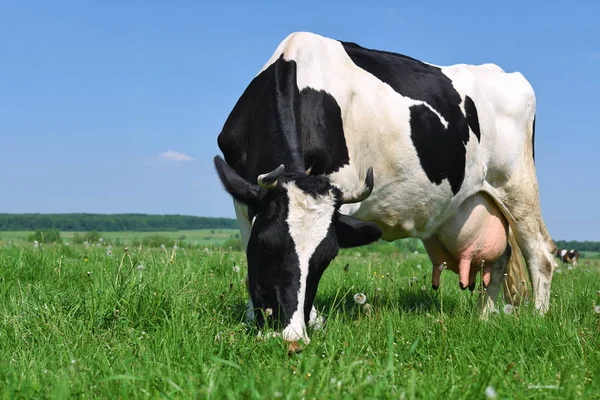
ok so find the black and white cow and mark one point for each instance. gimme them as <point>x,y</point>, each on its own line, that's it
<point>568,256</point>
<point>335,145</point>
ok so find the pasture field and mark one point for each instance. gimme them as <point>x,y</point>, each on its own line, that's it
<point>164,323</point>
<point>201,237</point>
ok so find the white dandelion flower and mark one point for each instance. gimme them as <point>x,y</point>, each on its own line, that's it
<point>236,269</point>
<point>206,250</point>
<point>35,244</point>
<point>490,392</point>
<point>175,247</point>
<point>108,252</point>
<point>101,240</point>
<point>558,271</point>
<point>419,266</point>
<point>416,252</point>
<point>269,312</point>
<point>162,246</point>
<point>360,298</point>
<point>597,309</point>
<point>508,309</point>
<point>140,267</point>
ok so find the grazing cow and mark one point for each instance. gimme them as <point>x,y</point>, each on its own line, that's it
<point>334,145</point>
<point>568,256</point>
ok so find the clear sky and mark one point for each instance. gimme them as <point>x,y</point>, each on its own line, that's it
<point>115,106</point>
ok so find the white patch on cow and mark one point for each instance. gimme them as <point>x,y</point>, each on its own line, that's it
<point>308,221</point>
<point>562,253</point>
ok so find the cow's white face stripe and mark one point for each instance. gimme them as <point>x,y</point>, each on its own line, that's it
<point>308,221</point>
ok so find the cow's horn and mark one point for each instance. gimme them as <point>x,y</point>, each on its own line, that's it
<point>356,196</point>
<point>269,180</point>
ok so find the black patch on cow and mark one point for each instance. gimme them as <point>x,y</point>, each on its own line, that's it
<point>323,140</point>
<point>472,118</point>
<point>273,265</point>
<point>441,150</point>
<point>533,139</point>
<point>441,155</point>
<point>274,123</point>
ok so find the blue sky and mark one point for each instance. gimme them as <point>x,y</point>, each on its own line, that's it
<point>92,93</point>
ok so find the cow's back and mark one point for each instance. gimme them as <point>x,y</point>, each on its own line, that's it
<point>433,135</point>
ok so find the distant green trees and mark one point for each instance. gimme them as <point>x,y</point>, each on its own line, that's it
<point>579,246</point>
<point>111,222</point>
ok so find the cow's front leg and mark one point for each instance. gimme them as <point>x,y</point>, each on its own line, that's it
<point>316,321</point>
<point>250,317</point>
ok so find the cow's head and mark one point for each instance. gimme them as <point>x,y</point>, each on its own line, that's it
<point>297,230</point>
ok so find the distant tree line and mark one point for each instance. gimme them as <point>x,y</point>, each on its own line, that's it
<point>111,222</point>
<point>579,246</point>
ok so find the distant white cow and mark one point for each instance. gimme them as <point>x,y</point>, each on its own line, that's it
<point>568,256</point>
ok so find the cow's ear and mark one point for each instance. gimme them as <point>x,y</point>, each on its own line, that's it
<point>238,187</point>
<point>352,232</point>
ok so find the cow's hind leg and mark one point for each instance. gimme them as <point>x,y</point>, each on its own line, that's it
<point>487,300</point>
<point>521,201</point>
<point>538,248</point>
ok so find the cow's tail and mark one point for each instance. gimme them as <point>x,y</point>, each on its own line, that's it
<point>515,288</point>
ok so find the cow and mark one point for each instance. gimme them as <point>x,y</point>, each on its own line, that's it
<point>568,256</point>
<point>335,145</point>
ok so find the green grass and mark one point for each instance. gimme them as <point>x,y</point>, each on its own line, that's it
<point>589,255</point>
<point>179,332</point>
<point>200,236</point>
